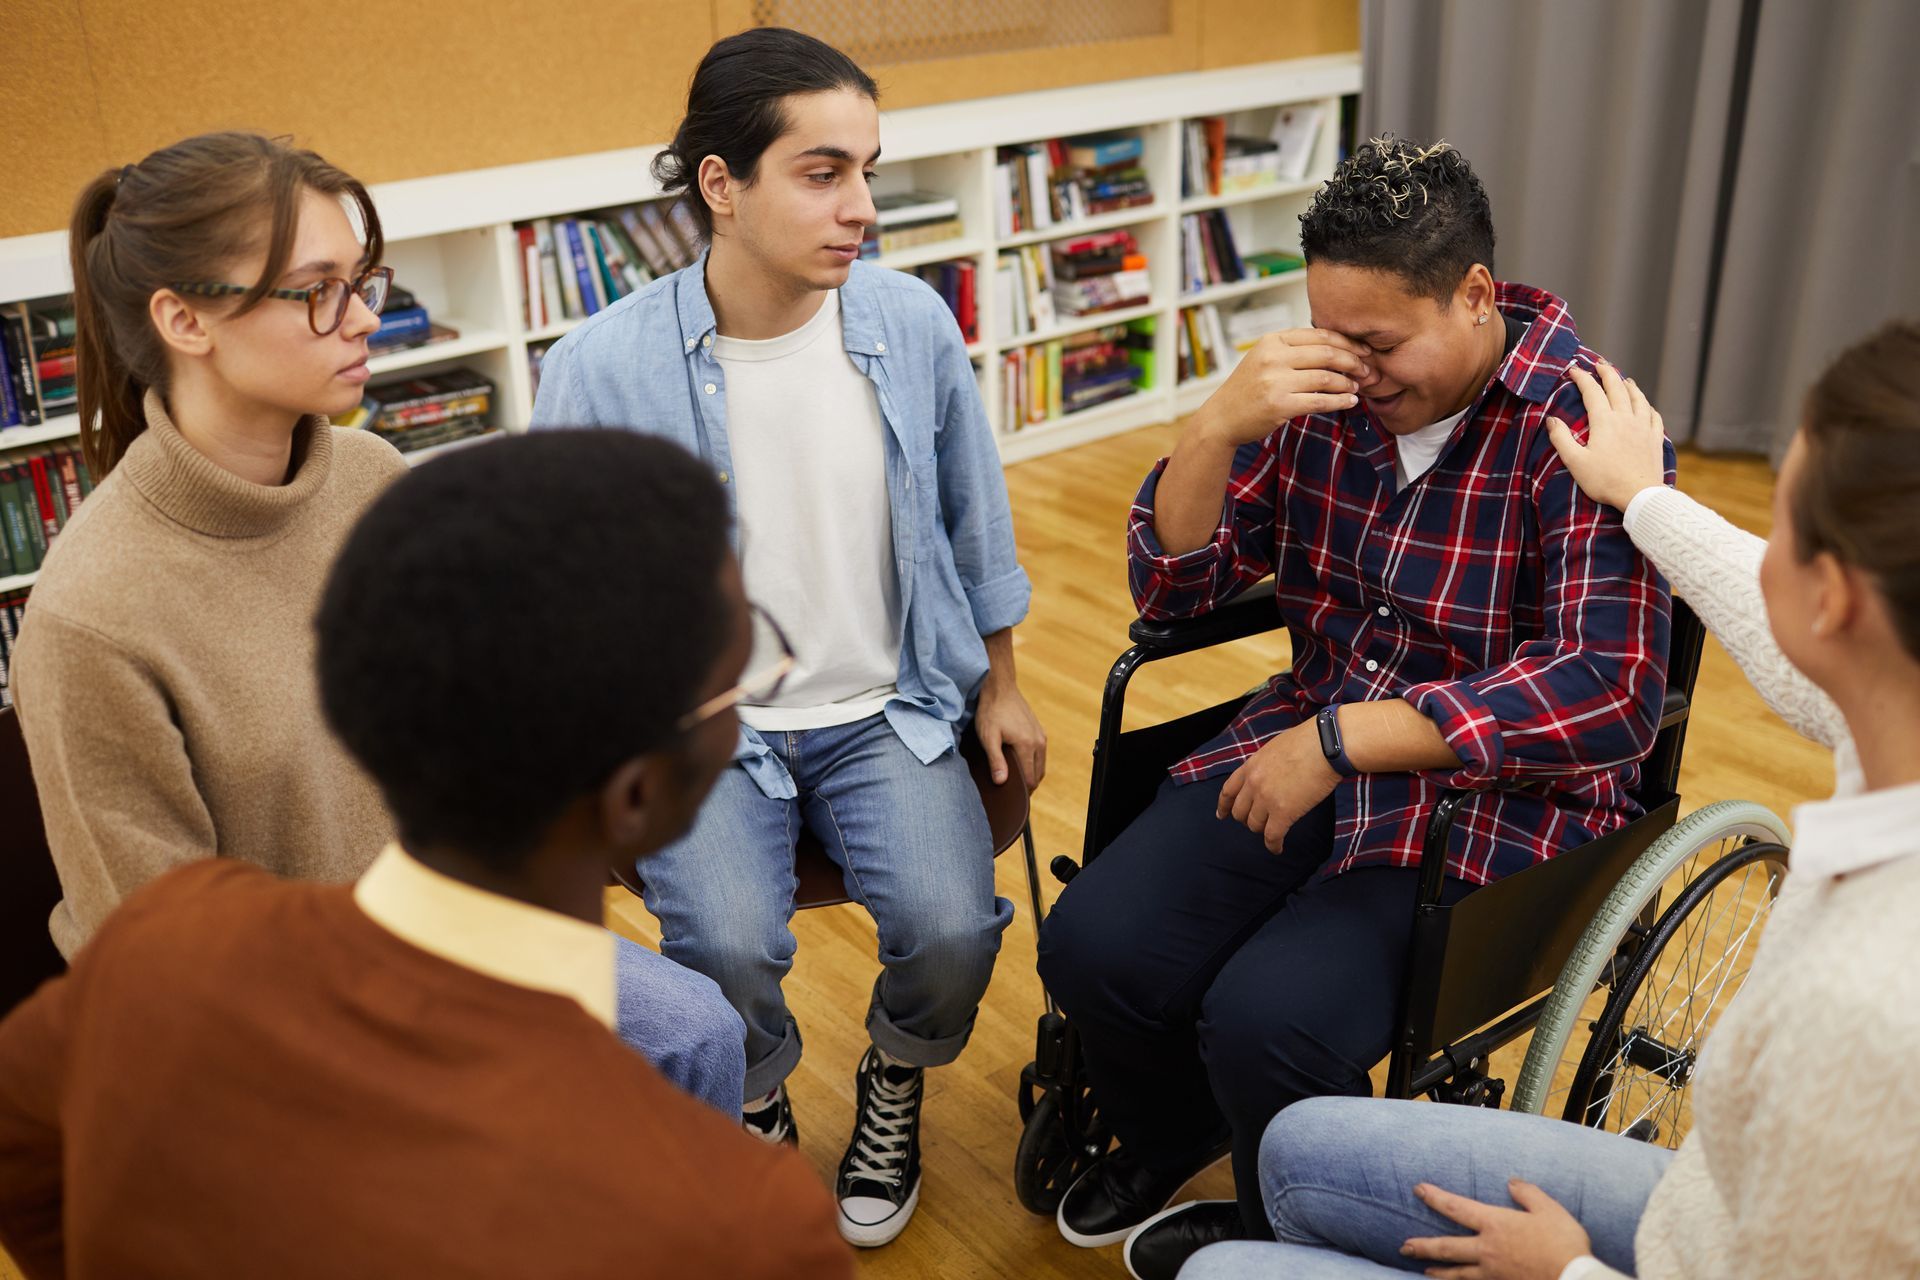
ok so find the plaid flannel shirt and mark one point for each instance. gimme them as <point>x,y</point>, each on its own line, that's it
<point>1490,593</point>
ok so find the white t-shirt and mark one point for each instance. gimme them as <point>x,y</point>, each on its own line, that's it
<point>1416,452</point>
<point>816,527</point>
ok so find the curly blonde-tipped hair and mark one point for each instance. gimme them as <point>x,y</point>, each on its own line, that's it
<point>1415,209</point>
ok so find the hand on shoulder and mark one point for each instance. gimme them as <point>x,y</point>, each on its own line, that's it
<point>1626,440</point>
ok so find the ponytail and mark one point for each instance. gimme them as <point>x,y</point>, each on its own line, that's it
<point>109,395</point>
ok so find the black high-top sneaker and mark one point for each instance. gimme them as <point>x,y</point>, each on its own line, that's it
<point>770,1119</point>
<point>879,1182</point>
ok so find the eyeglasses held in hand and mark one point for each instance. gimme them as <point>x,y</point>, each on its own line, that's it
<point>326,301</point>
<point>768,665</point>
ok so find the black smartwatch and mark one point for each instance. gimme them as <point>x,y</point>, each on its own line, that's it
<point>1328,722</point>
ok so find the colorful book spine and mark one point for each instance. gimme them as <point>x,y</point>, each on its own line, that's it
<point>582,268</point>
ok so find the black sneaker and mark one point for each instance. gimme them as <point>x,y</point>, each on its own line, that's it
<point>1115,1195</point>
<point>771,1120</point>
<point>1161,1245</point>
<point>879,1182</point>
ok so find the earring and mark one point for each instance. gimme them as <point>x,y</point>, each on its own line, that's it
<point>1482,319</point>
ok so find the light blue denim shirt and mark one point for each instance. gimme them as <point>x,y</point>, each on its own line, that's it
<point>646,363</point>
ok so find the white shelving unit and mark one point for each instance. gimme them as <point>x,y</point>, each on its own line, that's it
<point>451,241</point>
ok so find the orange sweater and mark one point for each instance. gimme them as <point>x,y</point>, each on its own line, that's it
<point>244,1076</point>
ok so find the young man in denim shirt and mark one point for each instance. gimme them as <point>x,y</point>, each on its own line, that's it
<point>835,402</point>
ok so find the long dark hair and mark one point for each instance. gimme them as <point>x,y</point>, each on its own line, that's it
<point>735,106</point>
<point>182,214</point>
<point>1860,480</point>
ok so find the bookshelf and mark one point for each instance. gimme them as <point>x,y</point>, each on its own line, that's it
<point>451,238</point>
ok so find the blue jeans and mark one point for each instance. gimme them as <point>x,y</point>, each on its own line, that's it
<point>1338,1177</point>
<point>680,1022</point>
<point>913,846</point>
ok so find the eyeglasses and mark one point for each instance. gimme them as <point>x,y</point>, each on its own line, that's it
<point>326,301</point>
<point>768,664</point>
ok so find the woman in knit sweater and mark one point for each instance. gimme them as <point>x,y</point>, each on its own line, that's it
<point>1804,1157</point>
<point>164,673</point>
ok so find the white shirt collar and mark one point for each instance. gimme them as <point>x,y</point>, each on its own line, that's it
<point>525,945</point>
<point>1852,833</point>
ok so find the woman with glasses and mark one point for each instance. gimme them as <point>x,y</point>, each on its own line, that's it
<point>223,298</point>
<point>224,290</point>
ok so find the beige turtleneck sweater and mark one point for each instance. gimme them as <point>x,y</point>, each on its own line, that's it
<point>164,674</point>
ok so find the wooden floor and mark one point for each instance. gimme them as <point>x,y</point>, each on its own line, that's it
<point>1069,510</point>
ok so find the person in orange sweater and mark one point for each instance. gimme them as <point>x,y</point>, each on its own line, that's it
<point>415,1074</point>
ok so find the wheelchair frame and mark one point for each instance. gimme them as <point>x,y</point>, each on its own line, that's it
<point>1478,972</point>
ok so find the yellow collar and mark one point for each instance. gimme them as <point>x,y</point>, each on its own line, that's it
<point>511,941</point>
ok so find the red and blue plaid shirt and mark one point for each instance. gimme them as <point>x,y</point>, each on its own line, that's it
<point>1490,593</point>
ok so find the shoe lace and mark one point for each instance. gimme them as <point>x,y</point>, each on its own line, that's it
<point>886,1126</point>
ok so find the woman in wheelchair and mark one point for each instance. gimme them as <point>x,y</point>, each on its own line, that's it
<point>1801,1160</point>
<point>1461,616</point>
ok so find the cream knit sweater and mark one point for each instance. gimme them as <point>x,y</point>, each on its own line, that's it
<point>164,674</point>
<point>1804,1157</point>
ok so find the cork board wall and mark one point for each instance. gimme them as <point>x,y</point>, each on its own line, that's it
<point>390,91</point>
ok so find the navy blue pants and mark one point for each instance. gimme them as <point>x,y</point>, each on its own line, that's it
<point>1213,983</point>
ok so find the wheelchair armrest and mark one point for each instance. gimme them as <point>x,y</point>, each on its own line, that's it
<point>1253,612</point>
<point>1433,854</point>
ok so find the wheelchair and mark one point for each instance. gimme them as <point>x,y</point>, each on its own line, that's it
<point>1617,955</point>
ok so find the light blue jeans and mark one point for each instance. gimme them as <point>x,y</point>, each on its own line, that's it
<point>1338,1177</point>
<point>678,1020</point>
<point>913,847</point>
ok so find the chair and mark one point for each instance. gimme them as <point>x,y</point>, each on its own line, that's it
<point>1479,972</point>
<point>821,884</point>
<point>29,886</point>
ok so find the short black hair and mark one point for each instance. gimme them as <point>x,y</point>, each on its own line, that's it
<point>510,623</point>
<point>735,106</point>
<point>1393,205</point>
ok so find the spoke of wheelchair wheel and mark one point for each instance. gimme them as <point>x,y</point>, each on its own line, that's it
<point>1699,927</point>
<point>1658,1001</point>
<point>1724,966</point>
<point>1739,950</point>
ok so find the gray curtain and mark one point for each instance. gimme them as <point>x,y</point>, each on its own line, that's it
<point>1726,192</point>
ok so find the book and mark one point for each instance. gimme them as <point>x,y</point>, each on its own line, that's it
<point>658,260</point>
<point>914,206</point>
<point>35,534</point>
<point>530,297</point>
<point>1295,131</point>
<point>609,289</point>
<point>634,271</point>
<point>399,326</point>
<point>20,553</point>
<point>582,298</point>
<point>9,407</point>
<point>69,467</point>
<point>406,394</point>
<point>19,362</point>
<point>553,303</point>
<point>680,221</point>
<point>1101,150</point>
<point>50,515</point>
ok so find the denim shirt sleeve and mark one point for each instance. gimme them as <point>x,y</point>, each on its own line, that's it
<point>562,399</point>
<point>973,496</point>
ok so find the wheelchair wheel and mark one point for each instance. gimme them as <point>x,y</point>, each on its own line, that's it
<point>1049,1156</point>
<point>1616,1043</point>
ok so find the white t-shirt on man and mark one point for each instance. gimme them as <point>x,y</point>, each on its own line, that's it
<point>816,526</point>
